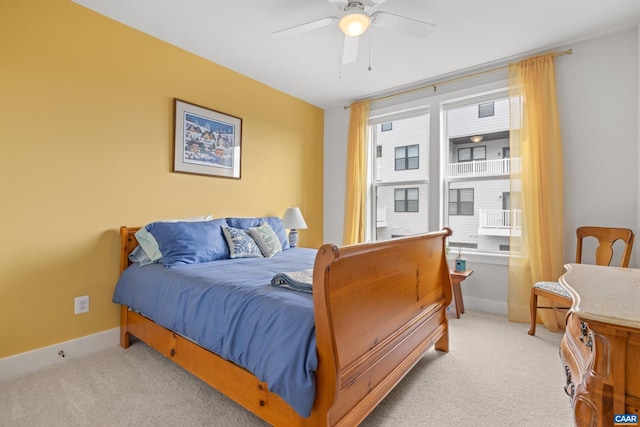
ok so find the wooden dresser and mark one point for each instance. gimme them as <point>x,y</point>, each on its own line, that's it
<point>600,349</point>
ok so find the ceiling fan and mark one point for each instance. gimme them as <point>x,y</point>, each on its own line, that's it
<point>356,20</point>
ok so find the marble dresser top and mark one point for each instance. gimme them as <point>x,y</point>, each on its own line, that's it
<point>606,294</point>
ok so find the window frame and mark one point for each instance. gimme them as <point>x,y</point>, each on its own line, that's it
<point>459,203</point>
<point>434,104</point>
<point>406,158</point>
<point>472,151</point>
<point>406,199</point>
<point>485,111</point>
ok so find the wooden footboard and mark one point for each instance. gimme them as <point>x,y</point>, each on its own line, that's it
<point>378,308</point>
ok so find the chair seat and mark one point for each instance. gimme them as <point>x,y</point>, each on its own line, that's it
<point>553,287</point>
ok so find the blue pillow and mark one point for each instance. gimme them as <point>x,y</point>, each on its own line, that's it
<point>274,221</point>
<point>147,251</point>
<point>190,242</point>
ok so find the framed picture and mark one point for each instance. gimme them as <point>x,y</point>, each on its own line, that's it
<point>207,142</point>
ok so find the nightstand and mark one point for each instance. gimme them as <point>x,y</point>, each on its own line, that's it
<point>458,277</point>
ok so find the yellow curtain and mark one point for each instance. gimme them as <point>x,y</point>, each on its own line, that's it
<point>356,177</point>
<point>536,191</point>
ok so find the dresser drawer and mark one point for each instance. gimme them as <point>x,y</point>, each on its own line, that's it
<point>581,334</point>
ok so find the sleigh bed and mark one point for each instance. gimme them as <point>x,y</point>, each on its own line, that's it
<point>376,308</point>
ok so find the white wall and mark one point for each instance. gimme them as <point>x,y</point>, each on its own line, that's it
<point>336,126</point>
<point>598,92</point>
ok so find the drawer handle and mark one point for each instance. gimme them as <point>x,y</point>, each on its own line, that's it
<point>585,332</point>
<point>570,387</point>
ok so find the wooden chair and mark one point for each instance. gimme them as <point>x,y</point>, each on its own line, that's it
<point>604,253</point>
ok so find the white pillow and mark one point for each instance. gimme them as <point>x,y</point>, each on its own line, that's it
<point>266,239</point>
<point>150,252</point>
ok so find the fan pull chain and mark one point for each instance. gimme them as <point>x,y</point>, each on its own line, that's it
<point>369,50</point>
<point>339,58</point>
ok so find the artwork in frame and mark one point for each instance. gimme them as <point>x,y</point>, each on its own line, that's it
<point>207,142</point>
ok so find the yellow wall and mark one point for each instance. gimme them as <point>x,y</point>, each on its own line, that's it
<point>86,121</point>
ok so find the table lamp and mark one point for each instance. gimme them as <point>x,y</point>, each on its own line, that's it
<point>293,220</point>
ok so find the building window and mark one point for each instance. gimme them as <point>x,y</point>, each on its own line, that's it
<point>386,127</point>
<point>463,245</point>
<point>461,201</point>
<point>485,110</point>
<point>407,157</point>
<point>406,199</point>
<point>469,154</point>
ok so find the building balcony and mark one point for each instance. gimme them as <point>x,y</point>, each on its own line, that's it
<point>478,168</point>
<point>499,222</point>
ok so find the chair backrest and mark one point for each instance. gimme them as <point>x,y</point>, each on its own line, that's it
<point>606,238</point>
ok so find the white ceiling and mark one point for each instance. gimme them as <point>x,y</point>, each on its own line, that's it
<point>237,35</point>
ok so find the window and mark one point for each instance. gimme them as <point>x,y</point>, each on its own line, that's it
<point>407,157</point>
<point>463,245</point>
<point>469,154</point>
<point>461,201</point>
<point>485,110</point>
<point>477,179</point>
<point>418,185</point>
<point>399,192</point>
<point>406,200</point>
<point>386,127</point>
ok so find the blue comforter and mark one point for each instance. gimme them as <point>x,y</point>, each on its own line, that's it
<point>229,307</point>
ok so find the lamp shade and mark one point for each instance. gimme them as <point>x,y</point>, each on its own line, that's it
<point>354,23</point>
<point>293,219</point>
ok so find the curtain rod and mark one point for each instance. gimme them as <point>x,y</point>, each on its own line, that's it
<point>468,76</point>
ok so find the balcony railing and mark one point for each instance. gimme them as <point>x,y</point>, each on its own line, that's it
<point>499,222</point>
<point>484,168</point>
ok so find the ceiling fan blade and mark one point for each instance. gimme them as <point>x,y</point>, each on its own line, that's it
<point>340,3</point>
<point>303,28</point>
<point>373,3</point>
<point>402,23</point>
<point>350,49</point>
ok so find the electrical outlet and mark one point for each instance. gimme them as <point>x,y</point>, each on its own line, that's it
<point>81,305</point>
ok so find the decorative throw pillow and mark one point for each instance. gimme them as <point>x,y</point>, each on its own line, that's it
<point>273,221</point>
<point>266,239</point>
<point>241,244</point>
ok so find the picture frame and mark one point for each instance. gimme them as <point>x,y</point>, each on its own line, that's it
<point>206,142</point>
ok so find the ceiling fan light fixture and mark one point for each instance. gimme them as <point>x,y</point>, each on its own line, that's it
<point>354,23</point>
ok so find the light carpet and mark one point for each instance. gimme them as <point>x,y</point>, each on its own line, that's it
<point>495,374</point>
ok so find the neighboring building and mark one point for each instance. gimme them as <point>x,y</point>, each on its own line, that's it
<point>401,181</point>
<point>476,176</point>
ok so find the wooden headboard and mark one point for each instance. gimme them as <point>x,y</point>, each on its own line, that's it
<point>128,243</point>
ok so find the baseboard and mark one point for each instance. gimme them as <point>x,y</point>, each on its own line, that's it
<point>33,360</point>
<point>488,306</point>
